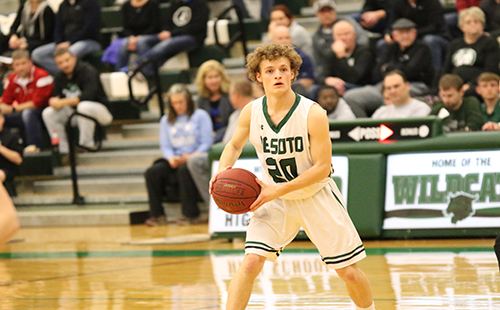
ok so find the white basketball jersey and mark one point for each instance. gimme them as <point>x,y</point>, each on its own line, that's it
<point>283,149</point>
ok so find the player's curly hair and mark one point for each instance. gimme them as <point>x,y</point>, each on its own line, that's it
<point>271,52</point>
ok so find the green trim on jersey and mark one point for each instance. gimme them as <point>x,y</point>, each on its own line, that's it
<point>275,128</point>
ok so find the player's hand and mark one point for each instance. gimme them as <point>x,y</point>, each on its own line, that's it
<point>267,193</point>
<point>214,177</point>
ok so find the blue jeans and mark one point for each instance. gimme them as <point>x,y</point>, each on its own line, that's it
<point>43,55</point>
<point>31,121</point>
<point>438,46</point>
<point>124,53</point>
<point>379,27</point>
<point>152,48</point>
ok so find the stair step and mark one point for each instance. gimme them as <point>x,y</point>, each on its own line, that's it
<point>114,158</point>
<point>44,200</point>
<point>103,215</point>
<point>102,171</point>
<point>122,144</point>
<point>141,130</point>
<point>93,185</point>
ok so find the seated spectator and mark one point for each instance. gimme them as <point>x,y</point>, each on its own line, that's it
<point>452,18</point>
<point>488,88</point>
<point>11,148</point>
<point>281,35</point>
<point>79,87</point>
<point>402,104</point>
<point>336,108</point>
<point>185,30</point>
<point>374,15</point>
<point>140,17</point>
<point>184,132</point>
<point>430,25</point>
<point>281,16</point>
<point>491,9</point>
<point>30,88</point>
<point>213,87</point>
<point>77,29</point>
<point>240,93</point>
<point>323,37</point>
<point>459,113</point>
<point>347,65</point>
<point>33,26</point>
<point>406,54</point>
<point>475,53</point>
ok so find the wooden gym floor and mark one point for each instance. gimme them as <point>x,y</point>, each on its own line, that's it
<point>90,268</point>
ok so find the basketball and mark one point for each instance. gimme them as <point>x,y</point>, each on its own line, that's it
<point>234,190</point>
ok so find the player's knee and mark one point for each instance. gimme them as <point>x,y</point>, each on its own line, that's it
<point>252,265</point>
<point>349,274</point>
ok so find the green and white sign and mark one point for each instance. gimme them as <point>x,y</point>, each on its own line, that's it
<point>220,221</point>
<point>443,190</point>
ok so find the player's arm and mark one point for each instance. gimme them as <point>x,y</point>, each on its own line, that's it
<point>321,152</point>
<point>233,148</point>
<point>9,223</point>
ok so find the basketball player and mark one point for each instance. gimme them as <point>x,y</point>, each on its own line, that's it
<point>9,222</point>
<point>291,136</point>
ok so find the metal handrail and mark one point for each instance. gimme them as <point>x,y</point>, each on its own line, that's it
<point>239,36</point>
<point>99,131</point>
<point>142,102</point>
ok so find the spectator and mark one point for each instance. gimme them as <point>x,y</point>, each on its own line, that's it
<point>430,25</point>
<point>459,113</point>
<point>402,104</point>
<point>184,132</point>
<point>79,87</point>
<point>30,88</point>
<point>33,26</point>
<point>488,88</point>
<point>140,17</point>
<point>475,53</point>
<point>374,15</point>
<point>213,87</point>
<point>491,9</point>
<point>347,65</point>
<point>9,222</point>
<point>281,16</point>
<point>452,18</point>
<point>323,37</point>
<point>77,28</point>
<point>406,54</point>
<point>240,93</point>
<point>281,35</point>
<point>336,108</point>
<point>185,30</point>
<point>11,148</point>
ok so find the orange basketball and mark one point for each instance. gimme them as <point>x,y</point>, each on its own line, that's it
<point>235,190</point>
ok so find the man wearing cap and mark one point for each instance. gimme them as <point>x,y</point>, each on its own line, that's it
<point>323,37</point>
<point>430,24</point>
<point>406,54</point>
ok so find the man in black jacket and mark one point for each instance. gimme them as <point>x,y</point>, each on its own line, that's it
<point>347,65</point>
<point>77,29</point>
<point>407,54</point>
<point>79,87</point>
<point>185,30</point>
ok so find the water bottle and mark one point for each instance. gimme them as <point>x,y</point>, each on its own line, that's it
<point>54,140</point>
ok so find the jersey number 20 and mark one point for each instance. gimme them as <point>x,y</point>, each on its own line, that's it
<point>285,171</point>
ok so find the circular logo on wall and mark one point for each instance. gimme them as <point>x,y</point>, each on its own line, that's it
<point>182,16</point>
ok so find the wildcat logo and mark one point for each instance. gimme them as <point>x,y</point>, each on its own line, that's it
<point>460,206</point>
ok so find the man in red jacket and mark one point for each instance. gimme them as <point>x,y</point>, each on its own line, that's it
<point>26,94</point>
